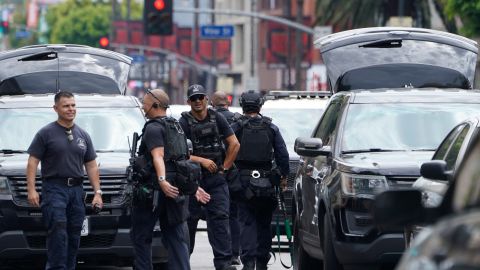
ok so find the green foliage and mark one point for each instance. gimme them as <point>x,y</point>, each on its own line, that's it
<point>79,22</point>
<point>469,13</point>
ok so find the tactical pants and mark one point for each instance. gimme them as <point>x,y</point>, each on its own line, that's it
<point>63,211</point>
<point>255,218</point>
<point>217,216</point>
<point>234,228</point>
<point>174,238</point>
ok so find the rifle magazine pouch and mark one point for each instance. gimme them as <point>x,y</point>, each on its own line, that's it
<point>188,175</point>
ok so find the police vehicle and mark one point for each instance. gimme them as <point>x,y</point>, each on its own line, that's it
<point>110,120</point>
<point>41,69</point>
<point>399,91</point>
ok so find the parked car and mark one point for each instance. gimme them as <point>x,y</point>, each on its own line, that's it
<point>385,119</point>
<point>292,112</point>
<point>451,242</point>
<point>110,120</point>
<point>43,69</point>
<point>448,156</point>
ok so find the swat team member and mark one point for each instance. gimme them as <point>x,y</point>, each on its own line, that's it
<point>261,149</point>
<point>64,149</point>
<point>221,103</point>
<point>206,128</point>
<point>171,211</point>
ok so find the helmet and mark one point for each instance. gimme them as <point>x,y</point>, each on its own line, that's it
<point>251,98</point>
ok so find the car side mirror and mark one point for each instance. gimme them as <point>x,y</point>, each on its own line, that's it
<point>435,170</point>
<point>395,209</point>
<point>309,147</point>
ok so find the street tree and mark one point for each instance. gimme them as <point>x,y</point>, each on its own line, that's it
<point>349,14</point>
<point>469,13</point>
<point>83,22</point>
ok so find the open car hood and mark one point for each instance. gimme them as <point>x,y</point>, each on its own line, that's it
<point>49,68</point>
<point>394,57</point>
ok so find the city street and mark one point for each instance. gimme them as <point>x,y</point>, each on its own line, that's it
<point>202,258</point>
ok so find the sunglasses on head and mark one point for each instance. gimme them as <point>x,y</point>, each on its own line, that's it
<point>197,97</point>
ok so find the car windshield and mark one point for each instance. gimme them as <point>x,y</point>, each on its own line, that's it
<point>293,122</point>
<point>404,126</point>
<point>108,127</point>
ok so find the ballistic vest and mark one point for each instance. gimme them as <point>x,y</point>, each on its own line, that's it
<point>256,143</point>
<point>205,136</point>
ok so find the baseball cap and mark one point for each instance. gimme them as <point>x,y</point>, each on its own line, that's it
<point>196,89</point>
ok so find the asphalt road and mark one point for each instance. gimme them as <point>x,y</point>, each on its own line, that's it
<point>202,257</point>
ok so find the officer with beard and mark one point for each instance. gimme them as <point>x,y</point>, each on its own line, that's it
<point>208,130</point>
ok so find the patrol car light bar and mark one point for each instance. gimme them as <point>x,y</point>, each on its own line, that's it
<point>277,94</point>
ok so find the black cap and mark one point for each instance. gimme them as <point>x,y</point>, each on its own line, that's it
<point>196,89</point>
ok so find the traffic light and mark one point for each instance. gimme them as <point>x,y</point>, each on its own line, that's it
<point>158,17</point>
<point>4,27</point>
<point>104,42</point>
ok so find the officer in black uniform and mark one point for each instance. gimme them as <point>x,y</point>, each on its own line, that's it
<point>172,210</point>
<point>221,103</point>
<point>207,130</point>
<point>263,164</point>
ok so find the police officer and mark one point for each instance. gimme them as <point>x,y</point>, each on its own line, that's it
<point>171,212</point>
<point>206,128</point>
<point>221,103</point>
<point>64,150</point>
<point>263,164</point>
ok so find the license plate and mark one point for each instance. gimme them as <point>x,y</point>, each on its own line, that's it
<point>85,227</point>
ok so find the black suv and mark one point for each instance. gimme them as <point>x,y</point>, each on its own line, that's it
<point>379,127</point>
<point>110,120</point>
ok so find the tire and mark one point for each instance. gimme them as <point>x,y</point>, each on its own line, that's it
<point>330,261</point>
<point>301,259</point>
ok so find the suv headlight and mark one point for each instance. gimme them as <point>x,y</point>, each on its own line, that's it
<point>4,185</point>
<point>354,184</point>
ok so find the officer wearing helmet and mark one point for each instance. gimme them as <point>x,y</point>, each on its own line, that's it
<point>210,132</point>
<point>263,164</point>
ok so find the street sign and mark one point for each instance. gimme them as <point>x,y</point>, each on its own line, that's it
<point>217,31</point>
<point>137,58</point>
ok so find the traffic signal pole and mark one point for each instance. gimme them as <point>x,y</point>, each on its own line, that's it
<point>279,20</point>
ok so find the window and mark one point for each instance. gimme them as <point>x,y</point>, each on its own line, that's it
<point>447,142</point>
<point>326,129</point>
<point>452,155</point>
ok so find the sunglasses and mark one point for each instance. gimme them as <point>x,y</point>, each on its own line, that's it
<point>197,97</point>
<point>69,134</point>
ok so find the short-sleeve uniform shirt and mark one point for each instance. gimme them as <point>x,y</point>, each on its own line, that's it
<point>59,156</point>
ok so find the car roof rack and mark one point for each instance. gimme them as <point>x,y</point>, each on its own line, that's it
<point>285,94</point>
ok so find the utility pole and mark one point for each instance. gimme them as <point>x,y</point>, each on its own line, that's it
<point>298,48</point>
<point>288,13</point>
<point>253,6</point>
<point>194,41</point>
<point>129,33</point>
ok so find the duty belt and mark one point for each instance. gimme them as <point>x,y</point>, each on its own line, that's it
<point>67,181</point>
<point>256,173</point>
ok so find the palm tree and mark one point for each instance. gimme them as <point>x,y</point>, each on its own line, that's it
<point>348,14</point>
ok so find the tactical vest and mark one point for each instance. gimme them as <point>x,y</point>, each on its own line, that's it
<point>231,117</point>
<point>205,136</point>
<point>175,141</point>
<point>256,143</point>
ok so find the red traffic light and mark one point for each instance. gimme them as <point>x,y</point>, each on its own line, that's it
<point>104,42</point>
<point>159,4</point>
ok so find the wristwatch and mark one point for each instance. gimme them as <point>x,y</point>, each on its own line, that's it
<point>161,179</point>
<point>223,170</point>
<point>99,191</point>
